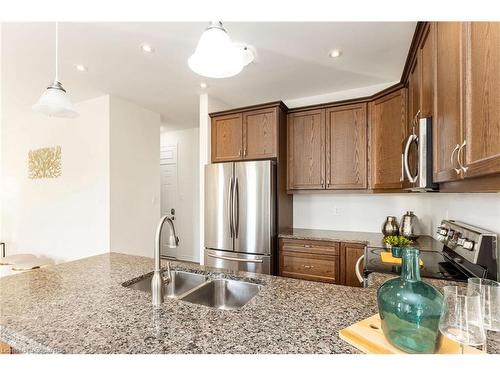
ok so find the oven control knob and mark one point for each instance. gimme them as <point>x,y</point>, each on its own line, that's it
<point>461,241</point>
<point>468,245</point>
<point>442,231</point>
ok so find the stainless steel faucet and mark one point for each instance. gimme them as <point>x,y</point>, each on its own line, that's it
<point>158,281</point>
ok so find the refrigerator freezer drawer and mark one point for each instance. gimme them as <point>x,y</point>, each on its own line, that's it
<point>238,261</point>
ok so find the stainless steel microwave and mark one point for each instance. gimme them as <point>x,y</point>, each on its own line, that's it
<point>417,157</point>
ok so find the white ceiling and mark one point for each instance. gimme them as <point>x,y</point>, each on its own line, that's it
<point>292,61</point>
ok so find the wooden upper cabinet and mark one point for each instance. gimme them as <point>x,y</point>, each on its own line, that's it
<point>249,133</point>
<point>306,150</point>
<point>480,151</point>
<point>447,122</point>
<point>414,86</point>
<point>346,147</point>
<point>427,62</point>
<point>227,137</point>
<point>388,121</point>
<point>260,134</point>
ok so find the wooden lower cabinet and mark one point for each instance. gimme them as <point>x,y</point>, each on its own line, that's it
<point>310,260</point>
<point>4,348</point>
<point>324,261</point>
<point>349,255</point>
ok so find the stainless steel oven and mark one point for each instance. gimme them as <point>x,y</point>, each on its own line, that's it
<point>417,157</point>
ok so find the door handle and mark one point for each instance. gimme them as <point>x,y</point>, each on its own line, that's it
<point>457,148</point>
<point>402,178</point>
<point>459,157</point>
<point>230,207</point>
<point>235,259</point>
<point>356,268</point>
<point>236,208</point>
<point>412,138</point>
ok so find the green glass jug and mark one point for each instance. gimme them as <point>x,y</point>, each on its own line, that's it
<point>410,308</point>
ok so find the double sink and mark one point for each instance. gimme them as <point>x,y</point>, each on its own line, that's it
<point>196,288</point>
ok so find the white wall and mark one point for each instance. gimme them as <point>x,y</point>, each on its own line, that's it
<point>367,212</point>
<point>67,217</point>
<point>1,119</point>
<point>107,197</point>
<point>188,205</point>
<point>338,95</point>
<point>204,157</point>
<point>134,177</point>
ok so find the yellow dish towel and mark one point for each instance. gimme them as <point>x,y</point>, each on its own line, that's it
<point>388,258</point>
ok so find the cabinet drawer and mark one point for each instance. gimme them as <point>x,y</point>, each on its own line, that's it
<point>311,246</point>
<point>309,266</point>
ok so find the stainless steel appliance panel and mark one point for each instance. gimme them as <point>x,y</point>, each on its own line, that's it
<point>421,178</point>
<point>253,207</point>
<point>238,261</point>
<point>218,206</point>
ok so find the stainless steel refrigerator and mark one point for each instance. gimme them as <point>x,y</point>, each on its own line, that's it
<point>240,203</point>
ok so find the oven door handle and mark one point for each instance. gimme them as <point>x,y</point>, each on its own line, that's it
<point>236,259</point>
<point>412,138</point>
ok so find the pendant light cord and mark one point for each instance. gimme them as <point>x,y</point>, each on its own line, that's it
<point>57,51</point>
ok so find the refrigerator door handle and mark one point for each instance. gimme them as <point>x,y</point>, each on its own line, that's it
<point>236,259</point>
<point>230,207</point>
<point>236,208</point>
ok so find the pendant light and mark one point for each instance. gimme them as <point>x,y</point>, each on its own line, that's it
<point>215,55</point>
<point>55,102</point>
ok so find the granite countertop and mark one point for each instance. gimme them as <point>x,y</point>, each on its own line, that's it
<point>82,307</point>
<point>371,239</point>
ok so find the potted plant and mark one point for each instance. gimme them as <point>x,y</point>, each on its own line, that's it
<point>397,243</point>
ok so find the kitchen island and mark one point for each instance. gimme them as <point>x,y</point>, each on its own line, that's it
<point>82,307</point>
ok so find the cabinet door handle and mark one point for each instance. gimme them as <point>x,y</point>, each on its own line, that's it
<point>308,267</point>
<point>245,151</point>
<point>402,178</point>
<point>457,170</point>
<point>307,246</point>
<point>322,183</point>
<point>239,152</point>
<point>459,157</point>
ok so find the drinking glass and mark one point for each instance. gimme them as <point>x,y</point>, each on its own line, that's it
<point>489,292</point>
<point>461,318</point>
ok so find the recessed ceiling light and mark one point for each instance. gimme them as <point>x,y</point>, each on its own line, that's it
<point>147,48</point>
<point>203,85</point>
<point>335,53</point>
<point>81,68</point>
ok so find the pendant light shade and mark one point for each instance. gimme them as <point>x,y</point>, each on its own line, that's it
<point>215,55</point>
<point>55,102</point>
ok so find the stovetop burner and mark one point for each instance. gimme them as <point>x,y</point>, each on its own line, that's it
<point>463,251</point>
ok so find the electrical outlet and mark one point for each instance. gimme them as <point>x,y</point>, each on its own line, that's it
<point>335,211</point>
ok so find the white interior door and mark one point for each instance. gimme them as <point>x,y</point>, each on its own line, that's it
<point>169,193</point>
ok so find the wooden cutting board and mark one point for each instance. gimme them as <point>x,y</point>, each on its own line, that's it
<point>368,337</point>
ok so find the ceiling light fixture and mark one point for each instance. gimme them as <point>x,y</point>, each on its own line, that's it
<point>55,102</point>
<point>216,56</point>
<point>335,53</point>
<point>203,85</point>
<point>81,68</point>
<point>147,48</point>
